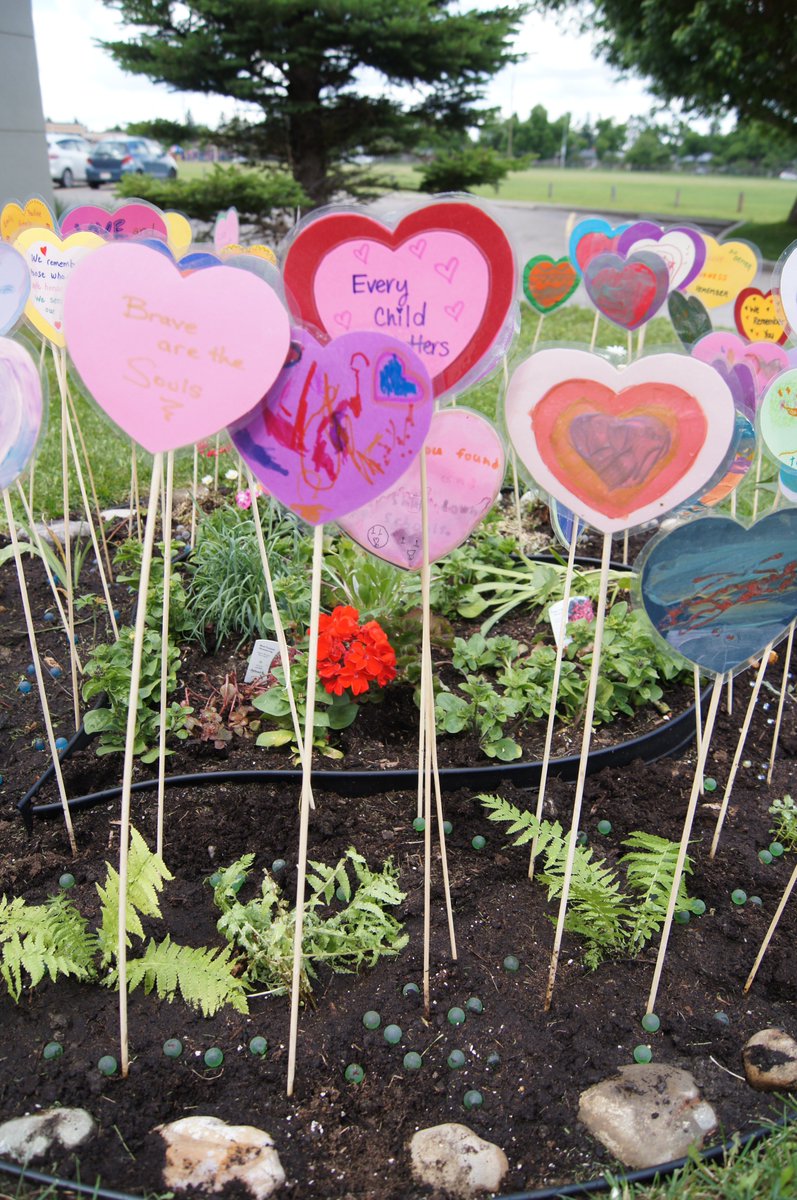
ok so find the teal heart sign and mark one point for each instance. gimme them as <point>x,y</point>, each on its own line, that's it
<point>719,593</point>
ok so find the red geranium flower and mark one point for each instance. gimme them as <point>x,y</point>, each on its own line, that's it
<point>352,656</point>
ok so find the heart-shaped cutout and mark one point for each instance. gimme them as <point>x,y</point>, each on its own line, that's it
<point>134,219</point>
<point>51,262</point>
<point>784,289</point>
<point>226,230</point>
<point>757,318</point>
<point>729,267</point>
<point>14,286</point>
<point>778,419</point>
<point>443,281</point>
<point>465,461</point>
<point>619,448</point>
<point>744,443</point>
<point>35,215</point>
<point>179,233</point>
<point>21,409</point>
<point>765,359</point>
<point>689,318</point>
<point>627,291</point>
<point>172,358</point>
<point>681,248</point>
<point>719,593</point>
<point>548,282</point>
<point>591,237</point>
<point>341,424</point>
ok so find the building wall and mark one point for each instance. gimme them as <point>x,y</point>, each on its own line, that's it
<point>24,169</point>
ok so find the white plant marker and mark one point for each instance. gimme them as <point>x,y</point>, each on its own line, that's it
<point>589,711</point>
<point>130,736</point>
<point>37,541</point>
<point>166,525</point>
<point>34,649</point>
<point>748,716</point>
<point>781,699</point>
<point>276,618</point>
<point>772,927</point>
<point>557,672</point>
<point>700,767</point>
<point>306,797</point>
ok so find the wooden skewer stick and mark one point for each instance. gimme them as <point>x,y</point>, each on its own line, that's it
<point>513,464</point>
<point>772,927</point>
<point>589,711</point>
<point>130,737</point>
<point>537,333</point>
<point>37,541</point>
<point>758,459</point>
<point>748,716</point>
<point>135,495</point>
<point>67,547</point>
<point>700,767</point>
<point>76,425</point>
<point>698,720</point>
<point>34,649</point>
<point>427,708</point>
<point>452,937</point>
<point>194,501</point>
<point>781,699</point>
<point>304,808</point>
<point>730,695</point>
<point>168,499</point>
<point>593,340</point>
<point>557,673</point>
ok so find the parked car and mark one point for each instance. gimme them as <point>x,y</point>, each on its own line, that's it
<point>115,157</point>
<point>68,155</point>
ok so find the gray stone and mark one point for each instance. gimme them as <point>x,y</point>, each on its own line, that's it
<point>647,1114</point>
<point>207,1153</point>
<point>26,1138</point>
<point>455,1159</point>
<point>770,1061</point>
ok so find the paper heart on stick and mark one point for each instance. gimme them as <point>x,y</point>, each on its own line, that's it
<point>619,448</point>
<point>784,289</point>
<point>689,317</point>
<point>591,237</point>
<point>50,262</point>
<point>14,286</point>
<point>744,442</point>
<point>341,424</point>
<point>443,281</point>
<point>13,218</point>
<point>729,267</point>
<point>764,359</point>
<point>719,593</point>
<point>21,410</point>
<point>133,219</point>
<point>778,418</point>
<point>681,248</point>
<point>179,233</point>
<point>548,283</point>
<point>627,291</point>
<point>756,317</point>
<point>226,230</point>
<point>465,463</point>
<point>172,358</point>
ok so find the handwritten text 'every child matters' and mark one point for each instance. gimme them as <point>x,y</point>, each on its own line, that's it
<point>146,373</point>
<point>398,313</point>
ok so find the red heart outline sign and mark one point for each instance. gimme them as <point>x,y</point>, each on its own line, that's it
<point>445,269</point>
<point>619,448</point>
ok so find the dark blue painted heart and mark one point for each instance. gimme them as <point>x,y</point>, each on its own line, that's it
<point>719,593</point>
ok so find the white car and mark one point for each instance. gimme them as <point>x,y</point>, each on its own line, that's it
<point>68,154</point>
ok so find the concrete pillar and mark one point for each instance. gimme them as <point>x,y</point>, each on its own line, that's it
<point>24,169</point>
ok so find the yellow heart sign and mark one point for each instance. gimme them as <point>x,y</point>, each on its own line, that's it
<point>50,263</point>
<point>179,233</point>
<point>756,316</point>
<point>13,218</point>
<point>257,251</point>
<point>729,267</point>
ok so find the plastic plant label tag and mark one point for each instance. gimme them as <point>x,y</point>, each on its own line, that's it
<point>263,654</point>
<point>51,263</point>
<point>579,609</point>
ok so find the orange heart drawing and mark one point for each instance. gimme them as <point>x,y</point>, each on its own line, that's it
<point>548,282</point>
<point>757,318</point>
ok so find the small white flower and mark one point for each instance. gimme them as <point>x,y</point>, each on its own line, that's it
<point>207,480</point>
<point>231,474</point>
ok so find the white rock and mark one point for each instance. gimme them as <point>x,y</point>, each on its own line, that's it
<point>770,1061</point>
<point>455,1159</point>
<point>647,1114</point>
<point>207,1153</point>
<point>27,1138</point>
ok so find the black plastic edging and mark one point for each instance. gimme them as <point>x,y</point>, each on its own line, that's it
<point>589,1188</point>
<point>667,738</point>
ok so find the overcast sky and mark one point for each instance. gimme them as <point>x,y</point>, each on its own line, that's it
<point>80,82</point>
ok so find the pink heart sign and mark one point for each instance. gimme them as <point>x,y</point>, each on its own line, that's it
<point>464,470</point>
<point>134,219</point>
<point>765,359</point>
<point>172,358</point>
<point>619,448</point>
<point>342,423</point>
<point>627,291</point>
<point>443,281</point>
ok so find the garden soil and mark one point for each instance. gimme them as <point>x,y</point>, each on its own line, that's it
<point>337,1140</point>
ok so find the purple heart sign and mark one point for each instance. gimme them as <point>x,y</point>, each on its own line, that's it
<point>340,425</point>
<point>14,286</point>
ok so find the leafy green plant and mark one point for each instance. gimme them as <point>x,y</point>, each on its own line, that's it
<point>609,921</point>
<point>331,712</point>
<point>784,829</point>
<point>485,711</point>
<point>55,939</point>
<point>226,591</point>
<point>127,562</point>
<point>108,671</point>
<point>347,936</point>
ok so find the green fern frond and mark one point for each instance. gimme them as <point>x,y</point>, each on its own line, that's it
<point>146,875</point>
<point>650,870</point>
<point>203,977</point>
<point>43,939</point>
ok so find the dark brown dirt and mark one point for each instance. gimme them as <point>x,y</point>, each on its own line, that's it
<point>340,1141</point>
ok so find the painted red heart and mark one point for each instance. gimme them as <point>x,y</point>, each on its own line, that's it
<point>627,291</point>
<point>443,281</point>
